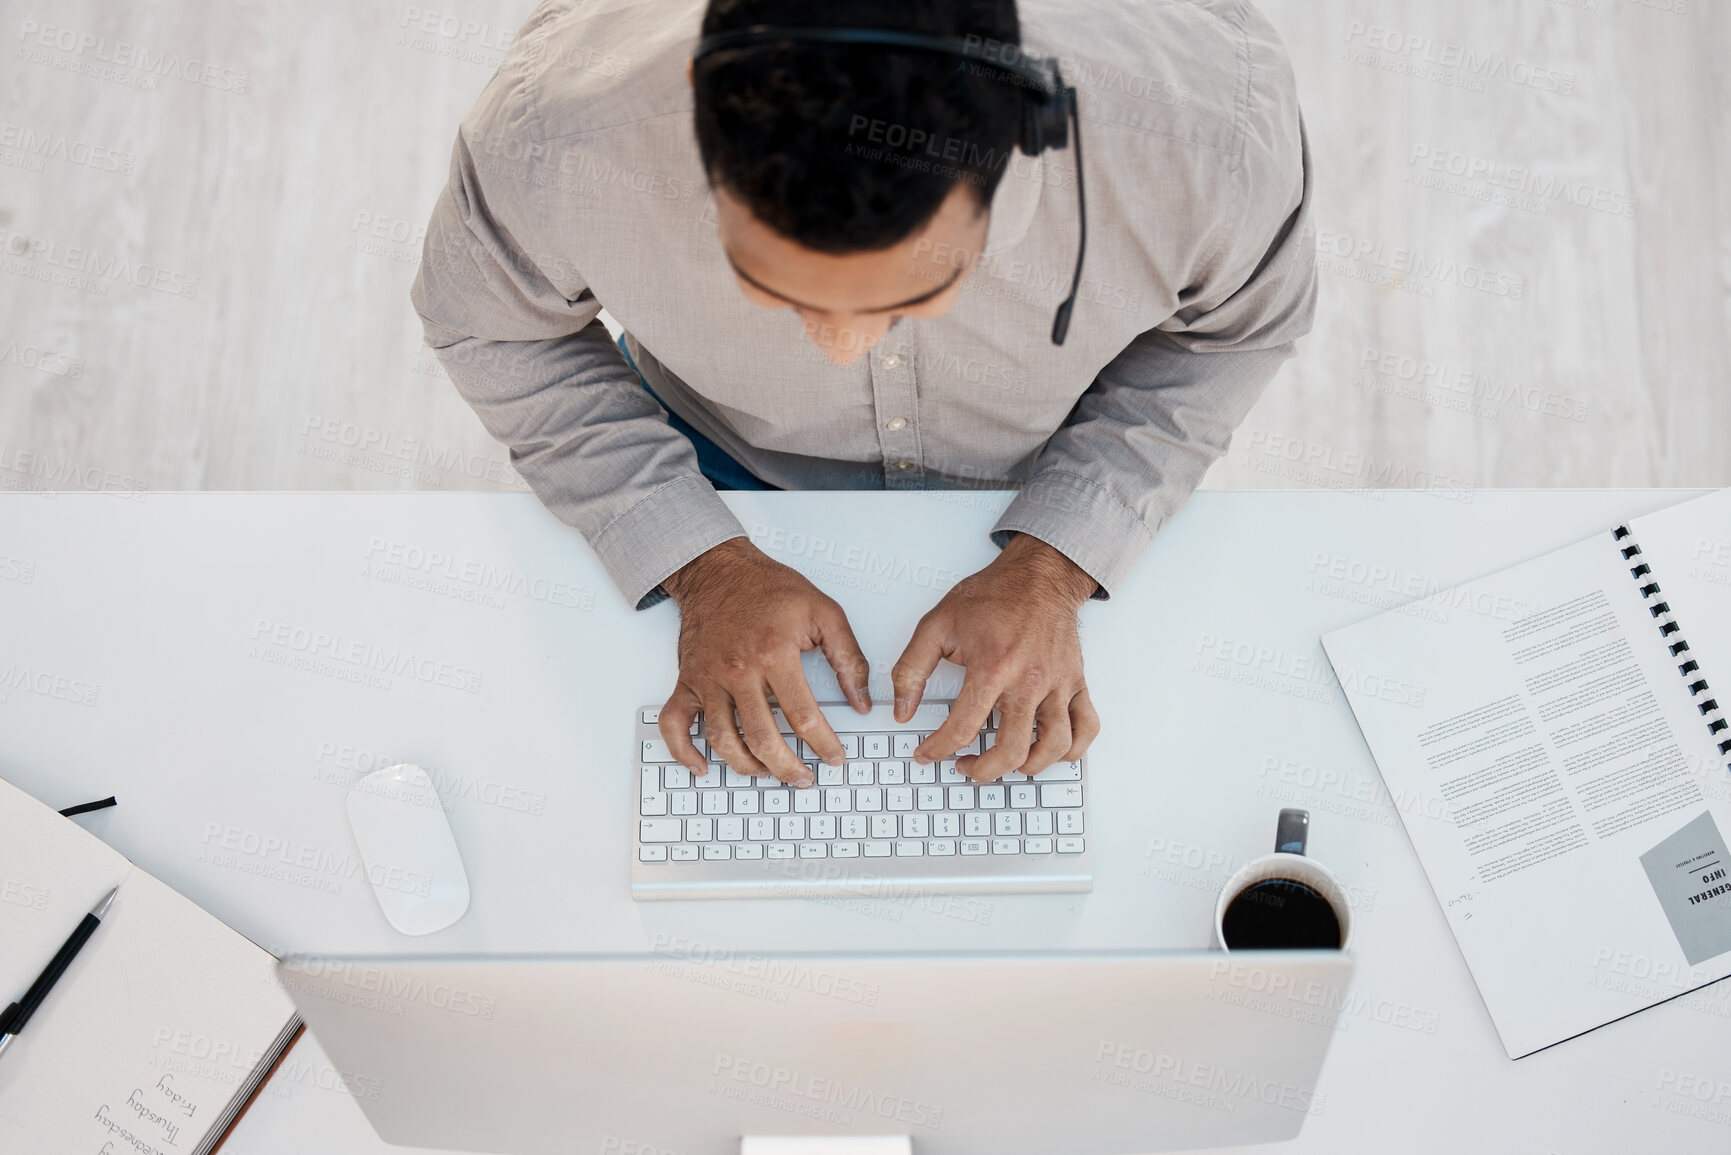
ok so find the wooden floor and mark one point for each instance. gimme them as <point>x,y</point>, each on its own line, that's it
<point>1523,233</point>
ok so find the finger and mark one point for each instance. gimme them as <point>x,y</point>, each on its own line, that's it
<point>793,695</point>
<point>766,742</point>
<point>841,650</point>
<point>1015,734</point>
<point>676,718</point>
<point>924,651</point>
<point>1084,726</point>
<point>973,705</point>
<point>1053,742</point>
<point>718,724</point>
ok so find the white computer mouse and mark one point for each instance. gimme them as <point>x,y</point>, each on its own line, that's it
<point>407,849</point>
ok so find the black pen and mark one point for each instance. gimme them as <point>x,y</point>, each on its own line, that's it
<point>16,1015</point>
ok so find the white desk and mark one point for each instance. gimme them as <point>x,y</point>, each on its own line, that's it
<point>1217,702</point>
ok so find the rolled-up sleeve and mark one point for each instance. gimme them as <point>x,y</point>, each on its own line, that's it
<point>1164,409</point>
<point>519,334</point>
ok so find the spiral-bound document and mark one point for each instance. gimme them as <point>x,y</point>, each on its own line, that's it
<point>1555,740</point>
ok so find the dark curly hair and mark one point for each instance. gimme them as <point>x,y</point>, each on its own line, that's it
<point>850,148</point>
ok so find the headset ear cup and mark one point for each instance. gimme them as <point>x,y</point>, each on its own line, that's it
<point>1055,118</point>
<point>1031,137</point>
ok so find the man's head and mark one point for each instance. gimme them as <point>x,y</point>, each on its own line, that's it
<point>853,183</point>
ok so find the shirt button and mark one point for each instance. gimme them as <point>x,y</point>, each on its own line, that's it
<point>900,464</point>
<point>896,423</point>
<point>890,360</point>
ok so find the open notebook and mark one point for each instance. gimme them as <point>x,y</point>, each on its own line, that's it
<point>1553,738</point>
<point>163,1028</point>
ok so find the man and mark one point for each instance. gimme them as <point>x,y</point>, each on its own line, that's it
<point>844,279</point>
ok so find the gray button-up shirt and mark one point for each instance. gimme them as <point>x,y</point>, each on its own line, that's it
<point>576,184</point>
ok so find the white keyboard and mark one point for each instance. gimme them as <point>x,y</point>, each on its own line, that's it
<point>878,825</point>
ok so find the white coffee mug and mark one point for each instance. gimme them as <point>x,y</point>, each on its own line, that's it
<point>1289,862</point>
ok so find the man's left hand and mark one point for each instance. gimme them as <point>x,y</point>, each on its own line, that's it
<point>1013,626</point>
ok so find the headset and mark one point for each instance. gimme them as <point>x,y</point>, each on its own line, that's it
<point>1048,104</point>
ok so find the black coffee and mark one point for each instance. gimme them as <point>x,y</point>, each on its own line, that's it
<point>1278,913</point>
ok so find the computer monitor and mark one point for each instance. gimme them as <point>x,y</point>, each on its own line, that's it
<point>688,1050</point>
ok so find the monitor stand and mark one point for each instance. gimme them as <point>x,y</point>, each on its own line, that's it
<point>826,1145</point>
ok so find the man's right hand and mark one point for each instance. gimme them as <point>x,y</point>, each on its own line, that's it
<point>744,621</point>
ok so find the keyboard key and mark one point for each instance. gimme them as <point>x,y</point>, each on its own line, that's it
<point>735,779</point>
<point>710,779</point>
<point>823,826</point>
<point>1040,821</point>
<point>1024,797</point>
<point>892,773</point>
<point>861,773</point>
<point>838,800</point>
<point>675,777</point>
<point>929,797</point>
<point>759,828</point>
<point>1036,846</point>
<point>1060,772</point>
<point>790,828</point>
<point>814,850</point>
<point>902,745</point>
<point>915,826</point>
<point>777,801</point>
<point>946,825</point>
<point>699,830</point>
<point>1006,823</point>
<point>779,850</point>
<point>1069,846</point>
<point>972,747</point>
<point>941,846</point>
<point>849,744</point>
<point>996,721</point>
<point>1014,776</point>
<point>910,849</point>
<point>744,801</point>
<point>714,802</point>
<point>655,750</point>
<point>876,849</point>
<point>1060,794</point>
<point>974,846</point>
<point>650,717</point>
<point>715,851</point>
<point>807,801</point>
<point>976,824</point>
<point>844,850</point>
<point>682,853</point>
<point>653,804</point>
<point>920,775</point>
<point>652,854</point>
<point>961,798</point>
<point>1070,822</point>
<point>988,740</point>
<point>748,850</point>
<point>660,830</point>
<point>730,829</point>
<point>781,722</point>
<point>992,797</point>
<point>884,826</point>
<point>830,775</point>
<point>899,798</point>
<point>868,799</point>
<point>853,826</point>
<point>948,774</point>
<point>684,802</point>
<point>1006,846</point>
<point>874,747</point>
